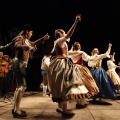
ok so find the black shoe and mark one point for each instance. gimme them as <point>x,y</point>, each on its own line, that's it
<point>22,111</point>
<point>58,110</point>
<point>97,102</point>
<point>68,115</point>
<point>17,115</point>
<point>103,103</point>
<point>81,106</point>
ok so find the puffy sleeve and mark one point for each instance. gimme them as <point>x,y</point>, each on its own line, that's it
<point>95,59</point>
<point>86,57</point>
<point>61,42</point>
<point>111,65</point>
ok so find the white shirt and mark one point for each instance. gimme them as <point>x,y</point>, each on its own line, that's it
<point>28,44</point>
<point>45,63</point>
<point>61,42</point>
<point>96,59</point>
<point>78,55</point>
<point>111,65</point>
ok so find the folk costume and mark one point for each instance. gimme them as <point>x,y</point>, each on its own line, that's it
<point>24,49</point>
<point>115,79</point>
<point>64,78</point>
<point>102,80</point>
<point>78,57</point>
<point>44,66</point>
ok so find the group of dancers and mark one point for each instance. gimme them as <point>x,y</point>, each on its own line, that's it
<point>68,78</point>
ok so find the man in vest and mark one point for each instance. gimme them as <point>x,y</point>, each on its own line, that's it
<point>24,49</point>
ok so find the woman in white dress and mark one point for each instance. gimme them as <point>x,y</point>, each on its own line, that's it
<point>112,72</point>
<point>78,57</point>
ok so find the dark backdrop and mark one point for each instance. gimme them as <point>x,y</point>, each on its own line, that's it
<point>100,25</point>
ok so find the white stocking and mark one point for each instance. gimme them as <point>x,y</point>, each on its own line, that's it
<point>48,88</point>
<point>17,98</point>
<point>44,89</point>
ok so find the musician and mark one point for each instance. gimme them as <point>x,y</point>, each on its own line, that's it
<point>1,73</point>
<point>24,49</point>
<point>5,70</point>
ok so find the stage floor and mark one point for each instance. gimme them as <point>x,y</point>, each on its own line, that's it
<point>42,108</point>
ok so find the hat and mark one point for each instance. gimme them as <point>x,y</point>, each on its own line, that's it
<point>95,49</point>
<point>27,27</point>
<point>6,56</point>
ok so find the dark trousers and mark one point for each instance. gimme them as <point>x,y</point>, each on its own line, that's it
<point>1,85</point>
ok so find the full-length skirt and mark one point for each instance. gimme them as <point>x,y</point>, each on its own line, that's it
<point>106,87</point>
<point>88,80</point>
<point>65,81</point>
<point>114,78</point>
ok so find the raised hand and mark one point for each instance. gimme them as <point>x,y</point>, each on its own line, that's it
<point>41,40</point>
<point>46,37</point>
<point>109,48</point>
<point>78,17</point>
<point>109,45</point>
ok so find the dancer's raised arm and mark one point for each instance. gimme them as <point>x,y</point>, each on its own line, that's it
<point>71,30</point>
<point>109,49</point>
